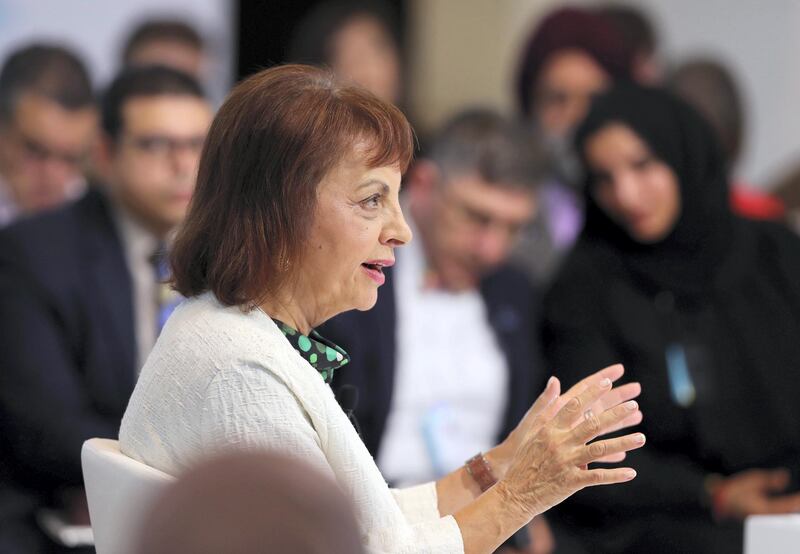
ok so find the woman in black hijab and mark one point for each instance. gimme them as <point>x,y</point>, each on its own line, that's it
<point>703,308</point>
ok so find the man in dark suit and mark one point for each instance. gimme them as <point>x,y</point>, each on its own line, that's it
<point>48,122</point>
<point>447,362</point>
<point>79,297</point>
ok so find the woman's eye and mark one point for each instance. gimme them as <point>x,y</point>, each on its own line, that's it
<point>642,163</point>
<point>372,202</point>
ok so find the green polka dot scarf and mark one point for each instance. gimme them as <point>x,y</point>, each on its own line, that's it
<point>322,354</point>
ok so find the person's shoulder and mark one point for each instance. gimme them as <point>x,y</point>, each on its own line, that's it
<point>774,241</point>
<point>582,283</point>
<point>31,232</point>
<point>588,265</point>
<point>507,283</point>
<point>204,328</point>
<point>511,276</point>
<point>50,237</point>
<point>774,231</point>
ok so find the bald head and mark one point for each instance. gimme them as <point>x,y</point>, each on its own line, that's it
<point>248,502</point>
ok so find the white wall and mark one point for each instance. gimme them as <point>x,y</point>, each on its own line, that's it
<point>760,41</point>
<point>96,29</point>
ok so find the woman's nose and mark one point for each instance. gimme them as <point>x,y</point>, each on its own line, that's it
<point>626,191</point>
<point>397,232</point>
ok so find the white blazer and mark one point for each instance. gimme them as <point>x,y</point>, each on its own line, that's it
<point>220,378</point>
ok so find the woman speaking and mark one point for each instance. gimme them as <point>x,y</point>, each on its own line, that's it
<point>295,216</point>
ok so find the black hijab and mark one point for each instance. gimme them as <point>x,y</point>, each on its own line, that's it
<point>684,261</point>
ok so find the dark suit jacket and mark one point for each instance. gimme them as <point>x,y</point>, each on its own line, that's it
<point>370,339</point>
<point>67,346</point>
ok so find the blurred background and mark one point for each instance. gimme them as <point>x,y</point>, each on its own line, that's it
<point>457,53</point>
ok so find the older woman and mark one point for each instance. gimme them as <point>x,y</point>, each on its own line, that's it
<point>704,307</point>
<point>295,215</point>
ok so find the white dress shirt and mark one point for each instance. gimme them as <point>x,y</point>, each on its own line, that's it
<point>450,382</point>
<point>220,378</point>
<point>139,245</point>
<point>8,206</point>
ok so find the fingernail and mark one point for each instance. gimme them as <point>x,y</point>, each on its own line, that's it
<point>630,474</point>
<point>639,438</point>
<point>631,405</point>
<point>551,381</point>
<point>604,383</point>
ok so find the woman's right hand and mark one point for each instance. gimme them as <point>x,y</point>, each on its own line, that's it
<point>552,460</point>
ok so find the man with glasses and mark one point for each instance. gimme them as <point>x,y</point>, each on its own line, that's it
<point>81,298</point>
<point>48,122</point>
<point>447,362</point>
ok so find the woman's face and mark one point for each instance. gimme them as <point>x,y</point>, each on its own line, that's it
<point>566,84</point>
<point>633,187</point>
<point>364,52</point>
<point>356,226</point>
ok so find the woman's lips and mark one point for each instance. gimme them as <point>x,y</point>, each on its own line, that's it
<point>374,273</point>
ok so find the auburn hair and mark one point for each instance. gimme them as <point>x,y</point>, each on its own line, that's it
<point>275,138</point>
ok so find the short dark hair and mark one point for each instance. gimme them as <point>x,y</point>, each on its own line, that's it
<point>136,82</point>
<point>711,89</point>
<point>496,148</point>
<point>156,30</point>
<point>276,137</point>
<point>49,70</point>
<point>311,38</point>
<point>633,25</point>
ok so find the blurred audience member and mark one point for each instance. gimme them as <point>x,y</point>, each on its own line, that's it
<point>48,122</point>
<point>249,502</point>
<point>79,294</point>
<point>467,202</point>
<point>572,55</point>
<point>358,40</point>
<point>787,190</point>
<point>169,42</point>
<point>710,88</point>
<point>703,308</point>
<point>639,34</point>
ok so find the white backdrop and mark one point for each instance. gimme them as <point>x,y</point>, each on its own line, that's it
<point>760,41</point>
<point>96,29</point>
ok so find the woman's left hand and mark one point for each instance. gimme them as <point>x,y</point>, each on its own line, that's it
<point>550,401</point>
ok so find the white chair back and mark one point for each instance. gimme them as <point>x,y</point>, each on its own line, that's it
<point>772,534</point>
<point>120,491</point>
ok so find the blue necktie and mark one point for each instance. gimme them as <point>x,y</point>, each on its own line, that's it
<point>167,298</point>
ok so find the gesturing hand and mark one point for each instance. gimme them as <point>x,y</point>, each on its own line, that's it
<point>549,403</point>
<point>552,458</point>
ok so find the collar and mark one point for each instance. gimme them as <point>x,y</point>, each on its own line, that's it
<point>138,242</point>
<point>323,355</point>
<point>8,206</point>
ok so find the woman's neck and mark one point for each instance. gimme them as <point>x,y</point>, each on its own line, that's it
<point>297,308</point>
<point>290,314</point>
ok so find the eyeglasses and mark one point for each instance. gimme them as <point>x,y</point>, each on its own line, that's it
<point>37,152</point>
<point>479,220</point>
<point>162,146</point>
